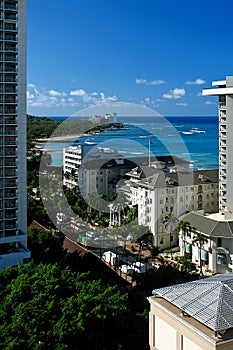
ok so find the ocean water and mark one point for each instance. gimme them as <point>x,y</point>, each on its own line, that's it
<point>192,138</point>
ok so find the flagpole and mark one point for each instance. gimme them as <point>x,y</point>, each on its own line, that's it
<point>149,151</point>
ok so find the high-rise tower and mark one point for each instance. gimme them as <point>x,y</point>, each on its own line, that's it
<point>13,200</point>
<point>224,90</point>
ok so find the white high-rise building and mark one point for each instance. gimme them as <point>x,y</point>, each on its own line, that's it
<point>13,197</point>
<point>224,90</point>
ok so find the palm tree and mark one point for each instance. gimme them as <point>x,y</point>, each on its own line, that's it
<point>184,229</point>
<point>93,200</point>
<point>199,239</point>
<point>170,222</point>
<point>119,205</point>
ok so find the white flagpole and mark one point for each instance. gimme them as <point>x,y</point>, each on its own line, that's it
<point>149,151</point>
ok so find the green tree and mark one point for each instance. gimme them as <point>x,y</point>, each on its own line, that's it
<point>51,307</point>
<point>185,264</point>
<point>120,205</point>
<point>45,246</point>
<point>184,229</point>
<point>170,222</point>
<point>199,240</point>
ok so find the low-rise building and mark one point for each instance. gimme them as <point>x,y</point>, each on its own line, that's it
<point>193,316</point>
<point>158,193</point>
<point>214,250</point>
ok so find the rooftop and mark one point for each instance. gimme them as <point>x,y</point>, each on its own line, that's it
<point>212,225</point>
<point>158,178</point>
<point>209,301</point>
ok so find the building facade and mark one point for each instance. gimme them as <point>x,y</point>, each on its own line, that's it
<point>13,198</point>
<point>224,90</point>
<point>162,192</point>
<point>215,251</point>
<point>192,316</point>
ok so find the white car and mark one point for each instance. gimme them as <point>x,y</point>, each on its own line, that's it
<point>156,265</point>
<point>124,268</point>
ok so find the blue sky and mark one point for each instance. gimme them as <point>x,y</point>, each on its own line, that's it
<point>156,53</point>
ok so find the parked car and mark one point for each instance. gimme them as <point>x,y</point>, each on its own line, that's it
<point>90,234</point>
<point>156,265</point>
<point>138,267</point>
<point>124,268</point>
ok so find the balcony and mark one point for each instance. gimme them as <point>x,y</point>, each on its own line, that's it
<point>10,16</point>
<point>10,164</point>
<point>8,184</point>
<point>10,6</point>
<point>10,174</point>
<point>222,105</point>
<point>11,27</point>
<point>12,48</point>
<point>9,58</point>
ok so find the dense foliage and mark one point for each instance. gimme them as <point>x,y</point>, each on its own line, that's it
<point>40,126</point>
<point>51,303</point>
<point>47,307</point>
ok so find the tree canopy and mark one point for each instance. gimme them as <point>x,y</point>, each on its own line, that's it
<point>48,307</point>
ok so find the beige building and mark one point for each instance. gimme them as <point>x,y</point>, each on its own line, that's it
<point>193,316</point>
<point>215,252</point>
<point>158,192</point>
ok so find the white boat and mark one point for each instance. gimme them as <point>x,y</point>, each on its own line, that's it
<point>198,131</point>
<point>187,132</point>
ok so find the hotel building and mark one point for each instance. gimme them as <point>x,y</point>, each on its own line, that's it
<point>216,249</point>
<point>13,198</point>
<point>158,192</point>
<point>193,316</point>
<point>224,90</point>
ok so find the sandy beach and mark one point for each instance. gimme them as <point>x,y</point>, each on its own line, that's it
<point>60,138</point>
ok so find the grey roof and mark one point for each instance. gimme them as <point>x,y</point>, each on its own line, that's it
<point>210,300</point>
<point>210,226</point>
<point>179,178</point>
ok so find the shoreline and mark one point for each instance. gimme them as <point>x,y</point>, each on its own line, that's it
<point>59,138</point>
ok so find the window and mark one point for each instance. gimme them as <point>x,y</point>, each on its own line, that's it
<point>161,241</point>
<point>219,242</point>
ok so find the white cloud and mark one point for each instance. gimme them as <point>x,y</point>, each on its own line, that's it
<point>79,92</point>
<point>56,93</point>
<point>209,103</point>
<point>140,81</point>
<point>157,82</point>
<point>175,94</point>
<point>182,104</point>
<point>40,97</point>
<point>198,81</point>
<point>146,82</point>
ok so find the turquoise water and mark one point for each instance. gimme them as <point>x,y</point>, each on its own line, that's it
<point>192,138</point>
